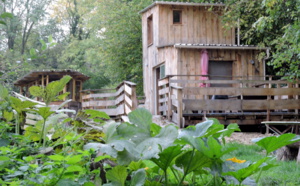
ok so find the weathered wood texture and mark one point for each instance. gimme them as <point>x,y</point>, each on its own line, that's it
<point>199,25</point>
<point>149,56</point>
<point>189,63</point>
<point>115,102</point>
<point>269,97</point>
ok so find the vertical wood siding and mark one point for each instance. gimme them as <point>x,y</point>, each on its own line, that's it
<point>199,25</point>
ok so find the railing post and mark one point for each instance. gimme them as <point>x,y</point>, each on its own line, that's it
<point>179,108</point>
<point>169,100</point>
<point>269,99</point>
<point>134,98</point>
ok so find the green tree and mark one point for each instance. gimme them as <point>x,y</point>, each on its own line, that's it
<point>26,14</point>
<point>273,23</point>
<point>121,39</point>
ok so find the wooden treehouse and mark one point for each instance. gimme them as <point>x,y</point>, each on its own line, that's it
<point>194,68</point>
<point>115,102</point>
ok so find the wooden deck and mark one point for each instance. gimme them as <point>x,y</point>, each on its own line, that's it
<point>249,101</point>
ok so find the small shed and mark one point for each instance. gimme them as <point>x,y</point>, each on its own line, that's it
<point>44,77</point>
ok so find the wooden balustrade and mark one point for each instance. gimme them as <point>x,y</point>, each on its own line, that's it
<point>115,102</point>
<point>178,97</point>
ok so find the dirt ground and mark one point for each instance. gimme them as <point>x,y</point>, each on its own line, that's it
<point>245,137</point>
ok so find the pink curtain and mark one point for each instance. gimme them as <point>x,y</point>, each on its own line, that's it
<point>204,68</point>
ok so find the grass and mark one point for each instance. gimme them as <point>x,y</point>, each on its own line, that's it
<point>286,173</point>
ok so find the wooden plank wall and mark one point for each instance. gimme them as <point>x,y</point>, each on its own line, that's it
<point>199,25</point>
<point>190,62</point>
<point>149,56</point>
<point>169,56</point>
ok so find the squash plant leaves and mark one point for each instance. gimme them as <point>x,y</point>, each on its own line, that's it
<point>243,173</point>
<point>167,156</point>
<point>138,178</point>
<point>212,148</point>
<point>192,161</point>
<point>272,143</point>
<point>131,142</point>
<point>190,134</point>
<point>117,175</point>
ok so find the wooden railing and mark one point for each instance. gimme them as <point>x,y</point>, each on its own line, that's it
<point>244,95</point>
<point>115,102</point>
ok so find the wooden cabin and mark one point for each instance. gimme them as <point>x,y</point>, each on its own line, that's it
<point>176,38</point>
<point>44,77</point>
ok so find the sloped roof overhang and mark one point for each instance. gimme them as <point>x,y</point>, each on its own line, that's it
<point>216,46</point>
<point>182,4</point>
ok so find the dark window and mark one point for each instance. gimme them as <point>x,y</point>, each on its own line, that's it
<point>162,71</point>
<point>150,30</point>
<point>177,16</point>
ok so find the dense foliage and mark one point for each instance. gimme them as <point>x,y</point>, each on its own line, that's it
<point>85,150</point>
<point>102,38</point>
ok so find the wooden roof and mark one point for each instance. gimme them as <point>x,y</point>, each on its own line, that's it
<point>53,75</point>
<point>181,4</point>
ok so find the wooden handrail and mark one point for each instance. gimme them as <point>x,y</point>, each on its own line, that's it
<point>115,102</point>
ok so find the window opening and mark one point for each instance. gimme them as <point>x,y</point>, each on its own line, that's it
<point>177,16</point>
<point>150,30</point>
<point>162,71</point>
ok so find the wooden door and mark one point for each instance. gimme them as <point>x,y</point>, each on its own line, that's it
<point>220,70</point>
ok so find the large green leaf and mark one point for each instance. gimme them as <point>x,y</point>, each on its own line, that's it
<point>141,118</point>
<point>44,112</point>
<point>96,114</point>
<point>243,173</point>
<point>190,134</point>
<point>273,143</point>
<point>228,131</point>
<point>212,148</point>
<point>19,105</point>
<point>49,93</point>
<point>117,175</point>
<point>8,115</point>
<point>167,156</point>
<point>132,142</point>
<point>192,161</point>
<point>150,147</point>
<point>37,91</point>
<point>33,133</point>
<point>133,133</point>
<point>136,165</point>
<point>138,178</point>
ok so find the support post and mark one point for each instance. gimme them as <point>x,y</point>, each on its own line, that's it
<point>134,98</point>
<point>43,80</point>
<point>180,107</point>
<point>269,98</point>
<point>80,89</point>
<point>47,80</point>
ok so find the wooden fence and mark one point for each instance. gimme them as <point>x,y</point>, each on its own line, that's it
<point>180,97</point>
<point>115,102</point>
